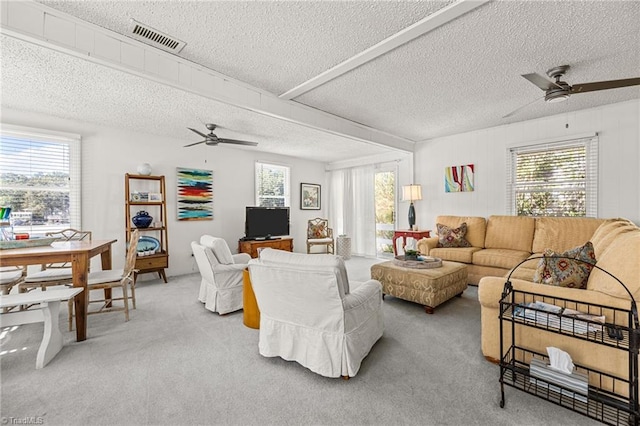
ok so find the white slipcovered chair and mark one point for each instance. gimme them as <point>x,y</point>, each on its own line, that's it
<point>221,271</point>
<point>308,314</point>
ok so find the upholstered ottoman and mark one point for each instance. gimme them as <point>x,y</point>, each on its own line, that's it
<point>429,287</point>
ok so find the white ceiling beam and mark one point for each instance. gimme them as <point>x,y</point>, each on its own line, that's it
<point>431,22</point>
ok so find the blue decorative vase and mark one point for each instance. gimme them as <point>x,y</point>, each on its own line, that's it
<point>412,216</point>
<point>142,220</point>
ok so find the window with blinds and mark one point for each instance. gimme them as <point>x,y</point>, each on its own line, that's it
<point>272,185</point>
<point>40,180</point>
<point>554,179</point>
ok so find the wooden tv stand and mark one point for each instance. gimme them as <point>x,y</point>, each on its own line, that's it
<point>251,246</point>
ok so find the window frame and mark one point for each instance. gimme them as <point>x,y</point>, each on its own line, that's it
<point>73,142</point>
<point>588,141</point>
<point>287,181</point>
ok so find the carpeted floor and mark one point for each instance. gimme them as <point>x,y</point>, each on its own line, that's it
<point>176,363</point>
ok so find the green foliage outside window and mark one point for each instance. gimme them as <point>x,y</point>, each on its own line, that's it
<point>35,182</point>
<point>385,207</point>
<point>272,182</point>
<point>44,195</point>
<point>385,204</point>
<point>551,182</point>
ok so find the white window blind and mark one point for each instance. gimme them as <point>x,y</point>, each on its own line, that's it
<point>272,185</point>
<point>40,179</point>
<point>557,178</point>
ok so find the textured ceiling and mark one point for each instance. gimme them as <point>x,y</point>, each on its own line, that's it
<point>69,88</point>
<point>466,75</point>
<point>462,76</point>
<point>274,45</point>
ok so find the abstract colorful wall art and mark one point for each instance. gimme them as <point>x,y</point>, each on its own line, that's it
<point>458,178</point>
<point>195,194</point>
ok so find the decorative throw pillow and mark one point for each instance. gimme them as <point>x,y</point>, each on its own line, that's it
<point>561,270</point>
<point>317,231</point>
<point>452,237</point>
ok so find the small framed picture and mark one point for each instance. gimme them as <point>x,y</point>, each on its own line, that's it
<point>139,196</point>
<point>155,196</point>
<point>309,196</point>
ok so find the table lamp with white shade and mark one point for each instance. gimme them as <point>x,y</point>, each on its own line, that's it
<point>411,193</point>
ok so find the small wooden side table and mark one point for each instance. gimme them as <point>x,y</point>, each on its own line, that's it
<point>404,233</point>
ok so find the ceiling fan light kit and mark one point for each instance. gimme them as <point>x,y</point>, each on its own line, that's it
<point>560,90</point>
<point>556,96</point>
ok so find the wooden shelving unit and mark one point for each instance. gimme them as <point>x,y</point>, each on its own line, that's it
<point>158,261</point>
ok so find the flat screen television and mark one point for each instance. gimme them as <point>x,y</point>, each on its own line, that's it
<point>266,222</point>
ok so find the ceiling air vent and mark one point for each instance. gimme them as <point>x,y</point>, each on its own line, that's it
<point>156,38</point>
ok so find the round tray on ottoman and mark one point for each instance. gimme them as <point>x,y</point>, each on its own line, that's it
<point>427,263</point>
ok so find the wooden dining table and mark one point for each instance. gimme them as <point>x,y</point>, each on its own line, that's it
<point>78,253</point>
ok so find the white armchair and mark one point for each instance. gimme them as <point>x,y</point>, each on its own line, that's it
<point>221,271</point>
<point>308,315</point>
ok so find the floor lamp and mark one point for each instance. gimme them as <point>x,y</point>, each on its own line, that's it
<point>411,193</point>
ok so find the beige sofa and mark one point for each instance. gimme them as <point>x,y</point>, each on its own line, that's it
<point>617,248</point>
<point>499,243</point>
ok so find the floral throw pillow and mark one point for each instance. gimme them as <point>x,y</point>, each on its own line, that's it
<point>561,270</point>
<point>452,237</point>
<point>317,231</point>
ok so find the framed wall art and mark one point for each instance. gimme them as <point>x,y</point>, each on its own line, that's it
<point>309,196</point>
<point>155,196</point>
<point>195,194</point>
<point>137,196</point>
<point>458,178</point>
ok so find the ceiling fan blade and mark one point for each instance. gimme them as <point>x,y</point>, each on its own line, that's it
<point>604,85</point>
<point>195,143</point>
<point>200,133</point>
<point>237,142</point>
<point>540,81</point>
<point>522,107</point>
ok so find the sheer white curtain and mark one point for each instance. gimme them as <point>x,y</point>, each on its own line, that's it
<point>352,207</point>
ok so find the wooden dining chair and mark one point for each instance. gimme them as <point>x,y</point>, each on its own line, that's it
<point>110,279</point>
<point>54,274</point>
<point>10,276</point>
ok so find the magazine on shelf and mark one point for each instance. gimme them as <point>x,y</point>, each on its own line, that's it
<point>558,317</point>
<point>583,316</point>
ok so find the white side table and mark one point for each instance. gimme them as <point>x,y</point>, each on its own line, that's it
<point>343,246</point>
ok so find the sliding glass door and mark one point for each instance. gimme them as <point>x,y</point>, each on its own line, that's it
<point>385,207</point>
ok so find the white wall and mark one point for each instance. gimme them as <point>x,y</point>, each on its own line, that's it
<point>618,126</point>
<point>109,153</point>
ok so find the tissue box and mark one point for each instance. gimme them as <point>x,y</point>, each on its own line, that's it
<point>576,381</point>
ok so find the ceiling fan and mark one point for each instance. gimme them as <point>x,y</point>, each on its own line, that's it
<point>213,140</point>
<point>558,90</point>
